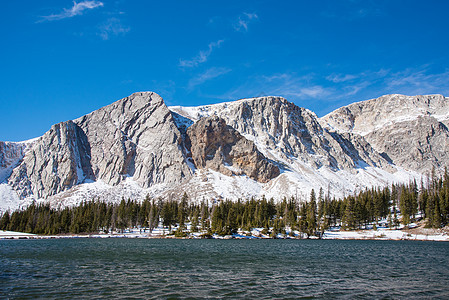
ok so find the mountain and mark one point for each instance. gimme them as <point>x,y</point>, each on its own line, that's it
<point>250,147</point>
<point>409,131</point>
<point>308,155</point>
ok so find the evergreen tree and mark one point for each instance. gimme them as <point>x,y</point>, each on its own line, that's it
<point>349,219</point>
<point>195,220</point>
<point>311,214</point>
<point>153,217</point>
<point>405,205</point>
<point>303,222</point>
<point>4,221</point>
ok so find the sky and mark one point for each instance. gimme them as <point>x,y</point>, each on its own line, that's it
<point>60,60</point>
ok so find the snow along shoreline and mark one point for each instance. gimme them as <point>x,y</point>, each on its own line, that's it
<point>380,234</point>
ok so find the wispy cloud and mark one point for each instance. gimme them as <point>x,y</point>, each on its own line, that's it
<point>368,84</point>
<point>332,91</point>
<point>76,10</point>
<point>242,23</point>
<point>352,10</point>
<point>291,85</point>
<point>411,81</point>
<point>202,56</point>
<point>288,85</point>
<point>207,75</point>
<point>419,81</point>
<point>337,78</point>
<point>112,27</point>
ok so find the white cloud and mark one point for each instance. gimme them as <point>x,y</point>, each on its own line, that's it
<point>350,90</point>
<point>336,78</point>
<point>242,23</point>
<point>288,85</point>
<point>76,10</point>
<point>351,10</point>
<point>419,81</point>
<point>112,27</point>
<point>208,75</point>
<point>341,89</point>
<point>202,56</point>
<point>412,81</point>
<point>314,91</point>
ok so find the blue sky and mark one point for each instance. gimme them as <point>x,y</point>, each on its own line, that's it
<point>61,59</point>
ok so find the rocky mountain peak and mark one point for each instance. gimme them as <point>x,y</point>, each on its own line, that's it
<point>285,132</point>
<point>119,141</point>
<point>410,130</point>
<point>370,115</point>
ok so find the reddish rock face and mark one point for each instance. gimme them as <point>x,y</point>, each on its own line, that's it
<point>215,145</point>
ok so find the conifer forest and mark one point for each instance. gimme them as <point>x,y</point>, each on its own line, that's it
<point>393,205</point>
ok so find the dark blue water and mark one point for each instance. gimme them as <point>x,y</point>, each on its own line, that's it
<point>254,269</point>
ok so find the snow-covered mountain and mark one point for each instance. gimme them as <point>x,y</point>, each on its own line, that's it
<point>409,131</point>
<point>250,147</point>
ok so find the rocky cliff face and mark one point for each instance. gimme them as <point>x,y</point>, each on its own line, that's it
<point>133,137</point>
<point>10,155</point>
<point>217,146</point>
<point>419,145</point>
<point>410,131</point>
<point>284,131</point>
<point>55,163</point>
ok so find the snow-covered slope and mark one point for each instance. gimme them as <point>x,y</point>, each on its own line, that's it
<point>11,155</point>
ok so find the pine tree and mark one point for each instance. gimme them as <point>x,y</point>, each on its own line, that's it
<point>437,220</point>
<point>195,220</point>
<point>153,217</point>
<point>311,214</point>
<point>204,215</point>
<point>182,211</point>
<point>231,224</point>
<point>4,221</point>
<point>217,222</point>
<point>349,220</point>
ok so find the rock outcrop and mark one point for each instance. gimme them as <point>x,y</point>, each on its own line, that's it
<point>410,131</point>
<point>291,133</point>
<point>217,146</point>
<point>133,137</point>
<point>419,145</point>
<point>55,163</point>
<point>10,155</point>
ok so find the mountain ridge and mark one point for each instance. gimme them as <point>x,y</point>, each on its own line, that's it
<point>411,130</point>
<point>137,146</point>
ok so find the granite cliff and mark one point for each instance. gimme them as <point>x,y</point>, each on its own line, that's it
<point>133,137</point>
<point>409,131</point>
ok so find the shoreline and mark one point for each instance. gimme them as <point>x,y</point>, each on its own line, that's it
<point>380,235</point>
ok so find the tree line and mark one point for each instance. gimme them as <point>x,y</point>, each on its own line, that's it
<point>396,204</point>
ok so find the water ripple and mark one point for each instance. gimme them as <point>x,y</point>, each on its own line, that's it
<point>263,269</point>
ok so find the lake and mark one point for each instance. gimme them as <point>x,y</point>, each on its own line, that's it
<point>256,269</point>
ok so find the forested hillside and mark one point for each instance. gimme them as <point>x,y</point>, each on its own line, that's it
<point>390,206</point>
